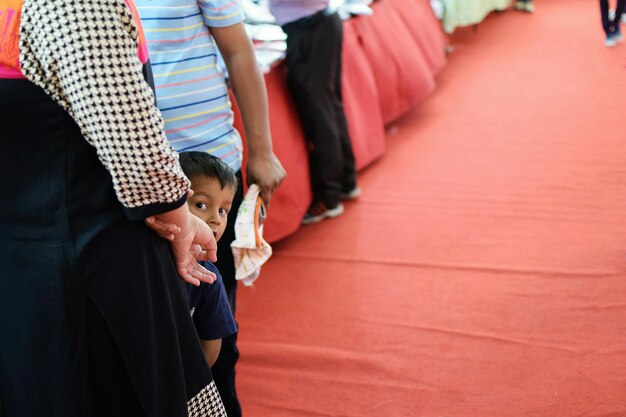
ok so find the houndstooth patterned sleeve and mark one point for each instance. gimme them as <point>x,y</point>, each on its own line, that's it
<point>206,403</point>
<point>84,55</point>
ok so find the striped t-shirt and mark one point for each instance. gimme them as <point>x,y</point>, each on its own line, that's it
<point>190,88</point>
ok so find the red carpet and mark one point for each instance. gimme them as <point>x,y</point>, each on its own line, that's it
<point>482,273</point>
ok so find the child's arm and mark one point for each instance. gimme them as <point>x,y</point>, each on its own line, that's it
<point>211,350</point>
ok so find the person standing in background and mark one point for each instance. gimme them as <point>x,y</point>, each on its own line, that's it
<point>183,40</point>
<point>314,42</point>
<point>611,24</point>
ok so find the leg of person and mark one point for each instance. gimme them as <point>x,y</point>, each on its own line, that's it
<point>604,15</point>
<point>349,189</point>
<point>224,368</point>
<point>137,316</point>
<point>35,364</point>
<point>310,80</point>
<point>607,23</point>
<point>619,10</point>
<point>109,379</point>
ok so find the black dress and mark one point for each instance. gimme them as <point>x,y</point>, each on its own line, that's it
<point>93,316</point>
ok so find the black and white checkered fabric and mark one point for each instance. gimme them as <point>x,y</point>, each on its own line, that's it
<point>84,55</point>
<point>206,403</point>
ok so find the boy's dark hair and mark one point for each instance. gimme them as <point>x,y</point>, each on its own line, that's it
<point>197,164</point>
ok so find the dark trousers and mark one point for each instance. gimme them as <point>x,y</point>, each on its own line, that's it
<point>224,368</point>
<point>611,25</point>
<point>314,77</point>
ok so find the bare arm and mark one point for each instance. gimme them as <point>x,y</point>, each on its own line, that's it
<point>211,350</point>
<point>263,167</point>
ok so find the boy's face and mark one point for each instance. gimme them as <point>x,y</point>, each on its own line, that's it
<point>211,203</point>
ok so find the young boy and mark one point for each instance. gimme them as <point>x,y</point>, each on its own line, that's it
<point>213,184</point>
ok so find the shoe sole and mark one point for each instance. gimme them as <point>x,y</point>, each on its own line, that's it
<point>352,195</point>
<point>328,214</point>
<point>524,8</point>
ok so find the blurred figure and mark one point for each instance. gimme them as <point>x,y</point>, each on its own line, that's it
<point>610,22</point>
<point>314,40</point>
<point>525,6</point>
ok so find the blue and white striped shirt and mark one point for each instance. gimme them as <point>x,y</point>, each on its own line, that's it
<point>191,90</point>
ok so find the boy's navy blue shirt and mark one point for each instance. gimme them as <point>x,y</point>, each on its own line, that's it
<point>209,308</point>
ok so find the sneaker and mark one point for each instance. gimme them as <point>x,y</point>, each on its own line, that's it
<point>610,41</point>
<point>352,194</point>
<point>520,5</point>
<point>529,7</point>
<point>618,36</point>
<point>318,212</point>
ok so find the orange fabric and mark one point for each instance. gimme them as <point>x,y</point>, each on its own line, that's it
<point>142,45</point>
<point>426,31</point>
<point>10,12</point>
<point>403,76</point>
<point>361,101</point>
<point>482,272</point>
<point>259,217</point>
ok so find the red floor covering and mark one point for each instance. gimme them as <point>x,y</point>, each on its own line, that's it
<point>482,273</point>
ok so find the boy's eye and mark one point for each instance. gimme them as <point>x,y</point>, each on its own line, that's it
<point>201,206</point>
<point>223,212</point>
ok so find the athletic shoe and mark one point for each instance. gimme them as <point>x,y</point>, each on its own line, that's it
<point>618,36</point>
<point>610,41</point>
<point>529,7</point>
<point>520,5</point>
<point>352,194</point>
<point>318,212</point>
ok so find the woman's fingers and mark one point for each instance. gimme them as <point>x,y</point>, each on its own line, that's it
<point>194,273</point>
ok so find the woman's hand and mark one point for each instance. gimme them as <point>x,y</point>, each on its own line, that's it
<point>165,230</point>
<point>191,240</point>
<point>194,242</point>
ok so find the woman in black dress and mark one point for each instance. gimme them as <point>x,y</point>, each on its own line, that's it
<point>93,316</point>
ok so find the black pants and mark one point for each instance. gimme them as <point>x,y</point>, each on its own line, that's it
<point>314,76</point>
<point>224,368</point>
<point>611,26</point>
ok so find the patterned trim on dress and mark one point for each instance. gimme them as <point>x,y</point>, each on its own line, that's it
<point>84,55</point>
<point>207,403</point>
